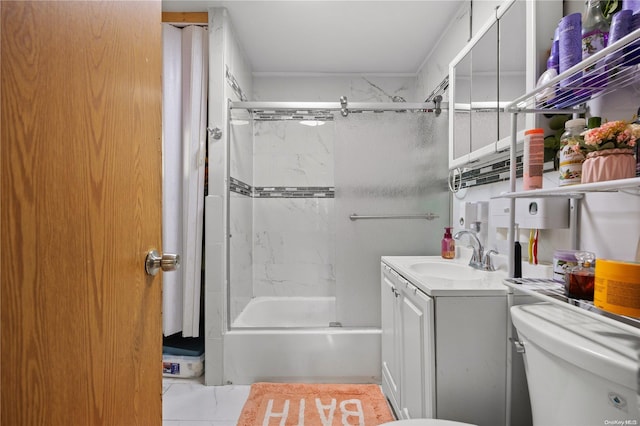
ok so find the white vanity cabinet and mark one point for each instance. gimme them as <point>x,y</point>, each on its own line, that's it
<point>407,339</point>
<point>444,349</point>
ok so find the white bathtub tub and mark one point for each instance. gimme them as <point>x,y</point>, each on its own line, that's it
<point>273,312</point>
<point>300,346</point>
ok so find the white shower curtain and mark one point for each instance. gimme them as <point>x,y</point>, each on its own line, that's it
<point>184,148</point>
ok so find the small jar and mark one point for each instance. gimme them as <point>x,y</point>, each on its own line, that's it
<point>570,168</point>
<point>580,280</point>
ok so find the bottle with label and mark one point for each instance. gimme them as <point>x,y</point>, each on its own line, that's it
<point>448,245</point>
<point>595,35</point>
<point>571,158</point>
<point>533,159</point>
<point>580,280</point>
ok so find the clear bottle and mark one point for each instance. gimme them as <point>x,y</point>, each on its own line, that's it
<point>570,168</point>
<point>580,280</point>
<point>448,245</point>
<point>595,29</point>
<point>595,36</point>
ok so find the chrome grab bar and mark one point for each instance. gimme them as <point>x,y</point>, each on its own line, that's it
<point>428,216</point>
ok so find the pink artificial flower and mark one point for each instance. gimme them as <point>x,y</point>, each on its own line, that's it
<point>613,131</point>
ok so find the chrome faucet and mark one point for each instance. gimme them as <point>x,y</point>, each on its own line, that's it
<point>478,259</point>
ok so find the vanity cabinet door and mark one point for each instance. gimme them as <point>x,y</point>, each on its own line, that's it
<point>391,342</point>
<point>417,383</point>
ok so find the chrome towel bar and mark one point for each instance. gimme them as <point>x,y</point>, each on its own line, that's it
<point>428,216</point>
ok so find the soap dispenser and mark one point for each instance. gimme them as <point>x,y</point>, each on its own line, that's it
<point>448,245</point>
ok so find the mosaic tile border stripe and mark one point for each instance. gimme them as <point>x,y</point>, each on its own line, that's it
<point>247,190</point>
<point>240,187</point>
<point>495,172</point>
<point>286,116</point>
<point>293,192</point>
<point>233,83</point>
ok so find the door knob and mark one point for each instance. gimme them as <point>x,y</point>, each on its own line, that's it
<point>155,262</point>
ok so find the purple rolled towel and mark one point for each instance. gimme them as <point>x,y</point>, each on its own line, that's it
<point>632,5</point>
<point>632,51</point>
<point>570,46</point>
<point>620,27</point>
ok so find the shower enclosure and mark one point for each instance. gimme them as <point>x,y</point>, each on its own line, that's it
<point>317,193</point>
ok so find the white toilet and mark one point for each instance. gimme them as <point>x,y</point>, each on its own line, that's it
<point>580,370</point>
<point>425,422</point>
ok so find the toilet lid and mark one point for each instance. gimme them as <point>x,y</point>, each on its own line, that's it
<point>586,342</point>
<point>425,422</point>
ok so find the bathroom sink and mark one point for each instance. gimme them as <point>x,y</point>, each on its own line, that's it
<point>447,270</point>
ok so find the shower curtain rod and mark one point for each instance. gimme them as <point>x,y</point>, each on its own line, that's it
<point>343,106</point>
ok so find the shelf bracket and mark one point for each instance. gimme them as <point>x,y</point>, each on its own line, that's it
<point>574,222</point>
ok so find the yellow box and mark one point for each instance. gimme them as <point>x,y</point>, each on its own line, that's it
<point>617,287</point>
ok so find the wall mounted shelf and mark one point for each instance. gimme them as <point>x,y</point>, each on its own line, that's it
<point>615,68</point>
<point>553,292</point>
<point>577,191</point>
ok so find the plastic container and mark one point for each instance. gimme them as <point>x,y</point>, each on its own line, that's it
<point>182,366</point>
<point>617,287</point>
<point>448,245</point>
<point>569,50</point>
<point>570,169</point>
<point>563,260</point>
<point>533,159</point>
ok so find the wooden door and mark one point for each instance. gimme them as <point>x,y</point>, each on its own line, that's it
<point>80,166</point>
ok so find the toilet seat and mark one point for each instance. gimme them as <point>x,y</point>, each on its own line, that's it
<point>425,422</point>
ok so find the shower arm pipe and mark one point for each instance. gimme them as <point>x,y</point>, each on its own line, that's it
<point>427,216</point>
<point>336,106</point>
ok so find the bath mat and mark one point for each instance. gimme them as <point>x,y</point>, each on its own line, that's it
<point>293,404</point>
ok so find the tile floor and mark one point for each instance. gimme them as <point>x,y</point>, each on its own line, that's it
<point>188,402</point>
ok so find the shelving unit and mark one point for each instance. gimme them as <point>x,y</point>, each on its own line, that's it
<point>577,191</point>
<point>571,88</point>
<point>553,292</point>
<point>564,94</point>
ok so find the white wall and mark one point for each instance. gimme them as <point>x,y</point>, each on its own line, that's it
<point>224,52</point>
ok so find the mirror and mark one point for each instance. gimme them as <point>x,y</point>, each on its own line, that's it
<point>484,90</point>
<point>461,116</point>
<point>512,81</point>
<point>487,74</point>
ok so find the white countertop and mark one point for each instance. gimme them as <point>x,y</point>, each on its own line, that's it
<point>486,284</point>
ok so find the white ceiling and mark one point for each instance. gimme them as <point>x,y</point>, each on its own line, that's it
<point>354,36</point>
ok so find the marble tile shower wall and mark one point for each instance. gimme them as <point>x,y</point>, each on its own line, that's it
<point>294,238</point>
<point>293,88</point>
<point>241,212</point>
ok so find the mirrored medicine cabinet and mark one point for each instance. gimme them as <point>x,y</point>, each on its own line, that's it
<point>500,63</point>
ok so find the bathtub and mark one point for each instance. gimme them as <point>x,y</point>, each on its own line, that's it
<point>288,339</point>
<point>273,312</point>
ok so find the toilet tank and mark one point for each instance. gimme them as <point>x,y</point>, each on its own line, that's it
<point>580,371</point>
